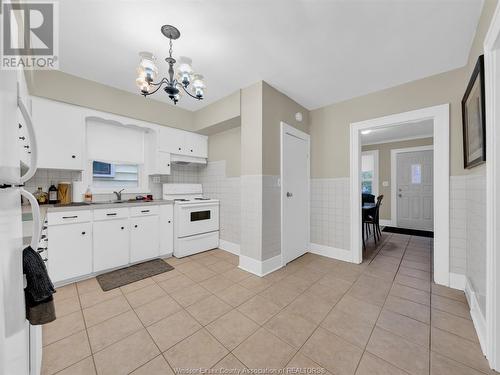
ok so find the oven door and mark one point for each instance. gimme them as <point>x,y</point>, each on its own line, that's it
<point>197,218</point>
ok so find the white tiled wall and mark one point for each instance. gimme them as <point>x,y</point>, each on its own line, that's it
<point>228,190</point>
<point>271,220</point>
<point>251,216</point>
<point>476,233</point>
<point>330,212</point>
<point>45,177</point>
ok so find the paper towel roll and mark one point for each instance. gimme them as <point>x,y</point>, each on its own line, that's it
<point>77,191</point>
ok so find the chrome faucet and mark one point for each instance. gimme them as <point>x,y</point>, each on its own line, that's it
<point>118,194</point>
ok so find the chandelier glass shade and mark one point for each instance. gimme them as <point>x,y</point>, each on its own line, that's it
<point>181,79</point>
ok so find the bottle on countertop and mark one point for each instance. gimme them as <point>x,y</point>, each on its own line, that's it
<point>88,195</point>
<point>52,193</point>
<point>40,196</point>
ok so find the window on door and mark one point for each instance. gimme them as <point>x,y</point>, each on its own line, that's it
<point>369,172</point>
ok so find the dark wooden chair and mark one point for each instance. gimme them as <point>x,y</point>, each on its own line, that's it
<point>372,218</point>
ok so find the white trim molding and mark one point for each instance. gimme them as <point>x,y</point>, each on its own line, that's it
<point>393,140</point>
<point>440,114</point>
<point>492,83</point>
<point>330,252</point>
<point>457,281</point>
<point>230,247</point>
<point>386,223</point>
<point>477,317</point>
<point>260,267</point>
<point>394,176</point>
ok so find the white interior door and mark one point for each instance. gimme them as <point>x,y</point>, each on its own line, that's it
<point>295,193</point>
<point>414,194</point>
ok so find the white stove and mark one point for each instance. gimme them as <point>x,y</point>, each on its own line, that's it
<point>196,219</point>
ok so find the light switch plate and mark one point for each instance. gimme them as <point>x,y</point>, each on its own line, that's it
<point>385,183</point>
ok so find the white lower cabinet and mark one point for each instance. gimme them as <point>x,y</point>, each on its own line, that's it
<point>111,244</point>
<point>144,237</point>
<point>70,250</point>
<point>84,242</point>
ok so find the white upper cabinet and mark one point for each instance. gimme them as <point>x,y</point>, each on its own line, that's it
<point>196,145</point>
<point>60,134</point>
<point>183,143</point>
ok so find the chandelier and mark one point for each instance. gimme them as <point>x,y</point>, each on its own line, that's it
<point>185,79</point>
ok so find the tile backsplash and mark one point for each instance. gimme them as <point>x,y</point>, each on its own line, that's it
<point>44,177</point>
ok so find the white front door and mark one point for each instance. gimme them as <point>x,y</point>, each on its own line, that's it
<point>414,194</point>
<point>295,190</point>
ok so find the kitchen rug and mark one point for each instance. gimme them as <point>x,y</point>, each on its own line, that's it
<point>128,275</point>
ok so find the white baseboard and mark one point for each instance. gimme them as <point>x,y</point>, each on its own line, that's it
<point>385,223</point>
<point>231,247</point>
<point>331,252</point>
<point>475,313</point>
<point>260,268</point>
<point>457,281</point>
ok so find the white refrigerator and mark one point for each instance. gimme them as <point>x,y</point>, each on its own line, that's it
<point>20,343</point>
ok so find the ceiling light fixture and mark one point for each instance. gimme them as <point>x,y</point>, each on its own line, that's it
<point>365,132</point>
<point>185,79</point>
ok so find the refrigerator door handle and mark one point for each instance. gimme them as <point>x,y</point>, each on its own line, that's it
<point>37,224</point>
<point>31,133</point>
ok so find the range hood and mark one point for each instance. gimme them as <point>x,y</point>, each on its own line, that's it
<point>185,160</point>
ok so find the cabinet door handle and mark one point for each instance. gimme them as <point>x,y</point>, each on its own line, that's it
<point>83,233</point>
<point>144,211</point>
<point>111,214</point>
<point>73,156</point>
<point>122,228</point>
<point>22,138</point>
<point>191,150</point>
<point>70,217</point>
<point>168,165</point>
<point>26,146</point>
<point>135,226</point>
<point>169,221</point>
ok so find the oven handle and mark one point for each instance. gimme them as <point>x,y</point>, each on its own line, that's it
<point>199,205</point>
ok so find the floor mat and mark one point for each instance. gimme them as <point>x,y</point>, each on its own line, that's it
<point>128,275</point>
<point>411,232</point>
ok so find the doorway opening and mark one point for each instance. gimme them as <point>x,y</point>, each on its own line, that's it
<point>418,207</point>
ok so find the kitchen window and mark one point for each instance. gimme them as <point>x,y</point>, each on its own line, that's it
<point>114,175</point>
<point>369,172</point>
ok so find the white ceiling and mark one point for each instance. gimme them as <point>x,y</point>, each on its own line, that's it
<point>317,52</point>
<point>414,130</point>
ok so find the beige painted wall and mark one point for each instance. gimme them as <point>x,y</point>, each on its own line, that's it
<point>67,88</point>
<point>251,130</point>
<point>218,112</point>
<point>277,107</point>
<point>226,146</point>
<point>330,125</point>
<point>384,168</point>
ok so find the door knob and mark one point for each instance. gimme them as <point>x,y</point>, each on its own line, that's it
<point>400,195</point>
<point>288,194</point>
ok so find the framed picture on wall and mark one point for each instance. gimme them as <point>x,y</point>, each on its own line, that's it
<point>474,118</point>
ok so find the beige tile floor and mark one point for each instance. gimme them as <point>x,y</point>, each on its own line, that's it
<point>384,316</point>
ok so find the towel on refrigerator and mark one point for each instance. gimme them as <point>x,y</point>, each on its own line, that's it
<point>39,289</point>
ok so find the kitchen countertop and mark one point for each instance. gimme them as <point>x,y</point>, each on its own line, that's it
<point>47,208</point>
